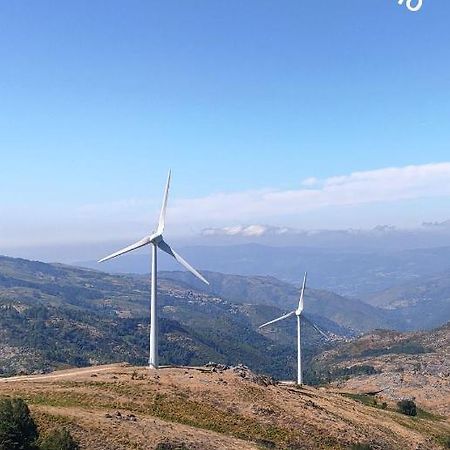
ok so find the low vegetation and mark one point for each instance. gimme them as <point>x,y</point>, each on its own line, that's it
<point>58,440</point>
<point>18,431</point>
<point>172,446</point>
<point>407,407</point>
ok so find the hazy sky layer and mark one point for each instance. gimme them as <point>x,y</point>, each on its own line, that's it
<point>309,114</point>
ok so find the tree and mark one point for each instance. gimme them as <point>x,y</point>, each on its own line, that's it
<point>17,428</point>
<point>407,407</point>
<point>58,440</point>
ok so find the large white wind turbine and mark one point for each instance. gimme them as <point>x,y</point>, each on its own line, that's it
<point>298,313</point>
<point>156,241</point>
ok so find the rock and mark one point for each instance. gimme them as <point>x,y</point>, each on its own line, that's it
<point>217,367</point>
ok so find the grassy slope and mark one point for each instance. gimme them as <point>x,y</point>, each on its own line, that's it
<point>213,411</point>
<point>54,315</point>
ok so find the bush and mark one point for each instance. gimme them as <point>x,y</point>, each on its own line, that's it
<point>407,407</point>
<point>171,446</point>
<point>19,432</point>
<point>17,428</point>
<point>58,440</point>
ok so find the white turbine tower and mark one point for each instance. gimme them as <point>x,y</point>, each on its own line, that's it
<point>156,240</point>
<point>298,313</point>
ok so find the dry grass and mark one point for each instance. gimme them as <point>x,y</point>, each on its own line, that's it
<point>212,411</point>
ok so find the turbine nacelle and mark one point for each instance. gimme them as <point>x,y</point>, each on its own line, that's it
<point>155,238</point>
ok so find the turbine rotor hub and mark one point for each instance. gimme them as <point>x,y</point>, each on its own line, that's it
<point>155,238</point>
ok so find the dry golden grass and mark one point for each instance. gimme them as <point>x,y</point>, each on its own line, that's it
<point>211,411</point>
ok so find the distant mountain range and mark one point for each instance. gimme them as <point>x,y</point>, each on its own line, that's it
<point>342,315</point>
<point>52,315</point>
<point>421,303</point>
<point>357,274</point>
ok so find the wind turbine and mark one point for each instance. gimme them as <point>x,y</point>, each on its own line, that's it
<point>156,241</point>
<point>298,313</point>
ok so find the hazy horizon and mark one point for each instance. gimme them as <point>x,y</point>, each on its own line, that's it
<point>294,116</point>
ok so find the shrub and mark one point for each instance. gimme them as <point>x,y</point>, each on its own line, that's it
<point>361,447</point>
<point>58,440</point>
<point>17,428</point>
<point>171,446</point>
<point>407,407</point>
<point>264,443</point>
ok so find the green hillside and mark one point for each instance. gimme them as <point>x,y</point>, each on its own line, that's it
<point>54,315</point>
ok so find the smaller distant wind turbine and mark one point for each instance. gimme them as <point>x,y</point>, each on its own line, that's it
<point>298,313</point>
<point>156,241</point>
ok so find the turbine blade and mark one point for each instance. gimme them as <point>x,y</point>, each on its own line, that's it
<point>130,248</point>
<point>165,247</point>
<point>162,214</point>
<point>301,302</point>
<point>277,320</point>
<point>315,327</point>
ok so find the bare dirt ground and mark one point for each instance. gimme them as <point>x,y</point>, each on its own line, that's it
<point>118,407</point>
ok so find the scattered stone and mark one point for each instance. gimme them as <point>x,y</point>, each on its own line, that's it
<point>246,373</point>
<point>119,416</point>
<point>242,371</point>
<point>217,367</point>
<point>263,411</point>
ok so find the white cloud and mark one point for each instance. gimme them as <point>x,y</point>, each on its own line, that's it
<point>311,181</point>
<point>254,230</point>
<point>330,202</point>
<point>377,186</point>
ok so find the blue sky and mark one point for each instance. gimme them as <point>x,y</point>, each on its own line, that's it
<point>99,98</point>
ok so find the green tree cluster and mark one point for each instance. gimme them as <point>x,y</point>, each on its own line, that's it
<point>18,430</point>
<point>407,407</point>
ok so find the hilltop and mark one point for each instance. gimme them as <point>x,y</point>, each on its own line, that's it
<point>118,407</point>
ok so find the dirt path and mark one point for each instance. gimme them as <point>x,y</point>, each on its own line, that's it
<point>63,373</point>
